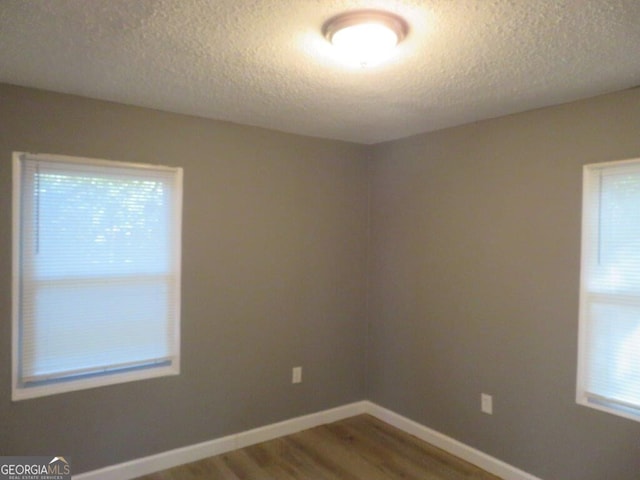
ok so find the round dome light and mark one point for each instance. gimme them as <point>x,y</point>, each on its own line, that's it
<point>365,37</point>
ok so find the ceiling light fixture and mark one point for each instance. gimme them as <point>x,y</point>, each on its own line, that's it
<point>365,37</point>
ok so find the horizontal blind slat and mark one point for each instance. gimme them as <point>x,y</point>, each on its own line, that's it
<point>98,369</point>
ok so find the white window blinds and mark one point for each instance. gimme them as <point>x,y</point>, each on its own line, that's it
<point>98,271</point>
<point>609,370</point>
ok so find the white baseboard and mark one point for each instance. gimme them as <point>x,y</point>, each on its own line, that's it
<point>173,458</point>
<point>459,449</point>
<point>280,429</point>
<point>192,453</point>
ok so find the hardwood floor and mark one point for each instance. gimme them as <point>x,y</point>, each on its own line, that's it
<point>358,448</point>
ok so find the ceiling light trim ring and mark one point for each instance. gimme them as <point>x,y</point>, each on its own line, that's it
<point>390,20</point>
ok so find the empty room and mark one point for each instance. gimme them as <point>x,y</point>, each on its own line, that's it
<point>320,240</point>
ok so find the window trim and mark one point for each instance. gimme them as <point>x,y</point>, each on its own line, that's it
<point>171,367</point>
<point>589,216</point>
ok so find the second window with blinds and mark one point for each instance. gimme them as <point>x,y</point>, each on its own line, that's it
<point>96,273</point>
<point>609,343</point>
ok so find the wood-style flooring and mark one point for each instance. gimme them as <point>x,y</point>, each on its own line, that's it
<point>358,448</point>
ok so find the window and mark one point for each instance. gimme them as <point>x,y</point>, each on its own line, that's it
<point>609,345</point>
<point>96,273</point>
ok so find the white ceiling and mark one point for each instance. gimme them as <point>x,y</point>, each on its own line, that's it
<point>265,62</point>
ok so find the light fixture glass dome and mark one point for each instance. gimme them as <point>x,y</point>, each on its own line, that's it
<point>365,37</point>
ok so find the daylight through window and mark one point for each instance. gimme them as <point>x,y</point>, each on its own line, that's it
<point>609,364</point>
<point>96,273</point>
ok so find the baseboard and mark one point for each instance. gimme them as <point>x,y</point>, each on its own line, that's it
<point>448,444</point>
<point>192,453</point>
<point>172,458</point>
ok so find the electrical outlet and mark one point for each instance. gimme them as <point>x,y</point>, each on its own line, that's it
<point>296,375</point>
<point>486,403</point>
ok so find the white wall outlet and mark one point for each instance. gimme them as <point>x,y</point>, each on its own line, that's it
<point>296,375</point>
<point>486,403</point>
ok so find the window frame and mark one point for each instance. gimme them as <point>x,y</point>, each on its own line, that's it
<point>19,390</point>
<point>591,220</point>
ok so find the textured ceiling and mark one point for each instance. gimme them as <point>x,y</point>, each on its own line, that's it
<point>265,63</point>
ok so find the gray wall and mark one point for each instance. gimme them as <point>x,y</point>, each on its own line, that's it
<point>274,267</point>
<point>475,255</point>
<point>474,237</point>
